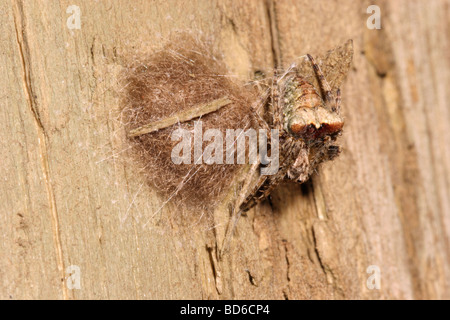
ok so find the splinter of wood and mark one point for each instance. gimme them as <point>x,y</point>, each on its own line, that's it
<point>186,115</point>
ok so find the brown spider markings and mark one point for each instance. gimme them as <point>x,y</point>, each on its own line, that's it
<point>308,126</point>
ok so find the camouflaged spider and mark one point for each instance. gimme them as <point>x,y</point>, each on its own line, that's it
<point>308,127</point>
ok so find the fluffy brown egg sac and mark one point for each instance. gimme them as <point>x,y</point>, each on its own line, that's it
<point>178,77</point>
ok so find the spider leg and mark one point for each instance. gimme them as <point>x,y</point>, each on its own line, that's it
<point>324,85</point>
<point>236,209</point>
<point>276,110</point>
<point>255,110</point>
<point>338,100</point>
<point>244,191</point>
<point>251,195</point>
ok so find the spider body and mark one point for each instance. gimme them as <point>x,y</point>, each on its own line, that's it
<point>308,126</point>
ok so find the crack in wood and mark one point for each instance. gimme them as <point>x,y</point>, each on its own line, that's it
<point>42,137</point>
<point>273,27</point>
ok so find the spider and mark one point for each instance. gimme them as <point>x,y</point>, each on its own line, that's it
<point>308,126</point>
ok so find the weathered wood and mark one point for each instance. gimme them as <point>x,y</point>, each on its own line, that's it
<point>70,198</point>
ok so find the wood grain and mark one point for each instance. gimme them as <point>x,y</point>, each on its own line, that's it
<point>70,197</point>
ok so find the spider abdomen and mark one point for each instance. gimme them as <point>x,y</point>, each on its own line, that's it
<point>301,94</point>
<point>304,111</point>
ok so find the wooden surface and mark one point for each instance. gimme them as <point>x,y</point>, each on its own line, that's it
<point>68,198</point>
